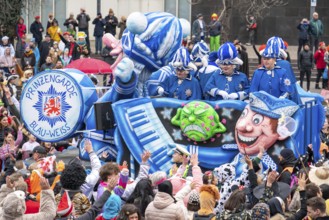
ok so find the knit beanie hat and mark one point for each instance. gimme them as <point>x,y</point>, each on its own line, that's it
<point>193,203</point>
<point>165,187</point>
<point>14,205</point>
<point>260,211</point>
<point>287,154</point>
<point>209,194</point>
<point>112,207</point>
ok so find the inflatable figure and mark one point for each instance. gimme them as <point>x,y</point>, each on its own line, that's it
<point>110,41</point>
<point>198,121</point>
<point>261,124</point>
<point>58,104</point>
<point>151,41</point>
<point>123,88</point>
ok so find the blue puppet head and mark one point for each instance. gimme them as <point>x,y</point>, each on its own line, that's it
<point>152,39</point>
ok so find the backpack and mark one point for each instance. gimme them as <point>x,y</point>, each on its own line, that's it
<point>203,217</point>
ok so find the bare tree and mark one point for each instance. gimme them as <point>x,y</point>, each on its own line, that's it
<point>10,12</point>
<point>259,8</point>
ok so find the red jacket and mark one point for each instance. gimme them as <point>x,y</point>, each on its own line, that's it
<point>319,59</point>
<point>21,30</point>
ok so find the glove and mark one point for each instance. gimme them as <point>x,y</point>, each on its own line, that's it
<point>160,90</point>
<point>233,96</point>
<point>223,94</point>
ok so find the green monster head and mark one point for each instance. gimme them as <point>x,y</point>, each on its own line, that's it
<point>198,121</point>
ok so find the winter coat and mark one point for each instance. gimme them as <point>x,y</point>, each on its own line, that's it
<point>83,20</point>
<point>44,49</point>
<point>316,27</point>
<point>21,30</point>
<point>214,28</point>
<point>99,27</point>
<point>35,30</point>
<point>28,59</point>
<point>197,30</point>
<point>111,27</point>
<point>47,209</point>
<point>304,30</point>
<point>319,59</point>
<point>163,208</point>
<point>305,60</point>
<point>54,32</point>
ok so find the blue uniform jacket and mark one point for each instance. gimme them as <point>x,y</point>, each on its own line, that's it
<point>237,83</point>
<point>188,89</point>
<point>204,75</point>
<point>294,96</point>
<point>152,84</point>
<point>275,82</point>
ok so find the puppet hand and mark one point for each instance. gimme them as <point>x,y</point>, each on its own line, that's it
<point>233,96</point>
<point>124,70</point>
<point>160,90</point>
<point>223,94</point>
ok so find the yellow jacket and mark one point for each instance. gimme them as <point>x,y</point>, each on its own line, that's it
<point>54,31</point>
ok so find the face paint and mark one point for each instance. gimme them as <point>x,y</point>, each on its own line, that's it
<point>198,121</point>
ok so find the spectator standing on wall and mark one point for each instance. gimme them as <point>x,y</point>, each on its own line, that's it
<point>316,31</point>
<point>99,23</point>
<point>304,31</point>
<point>111,23</point>
<point>83,23</point>
<point>198,29</point>
<point>214,32</point>
<point>252,28</point>
<point>71,20</point>
<point>36,29</point>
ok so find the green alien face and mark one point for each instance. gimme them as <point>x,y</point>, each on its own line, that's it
<point>198,121</point>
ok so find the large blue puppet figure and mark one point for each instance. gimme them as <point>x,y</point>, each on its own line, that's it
<point>149,43</point>
<point>270,77</point>
<point>151,40</point>
<point>227,83</point>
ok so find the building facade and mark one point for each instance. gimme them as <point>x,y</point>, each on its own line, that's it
<point>62,8</point>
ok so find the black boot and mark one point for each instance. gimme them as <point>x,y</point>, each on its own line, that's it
<point>317,86</point>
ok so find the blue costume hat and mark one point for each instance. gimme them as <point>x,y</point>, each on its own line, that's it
<point>200,49</point>
<point>275,48</point>
<point>181,60</point>
<point>228,55</point>
<point>270,106</point>
<point>279,40</point>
